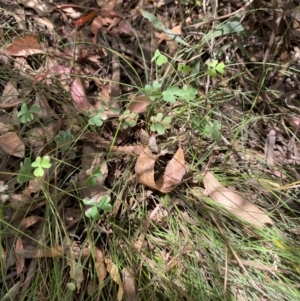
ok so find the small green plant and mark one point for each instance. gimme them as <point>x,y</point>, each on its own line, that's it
<point>187,93</point>
<point>214,67</point>
<point>98,118</point>
<point>212,130</point>
<point>40,164</point>
<point>160,123</point>
<point>93,174</point>
<point>25,173</point>
<point>63,139</point>
<point>96,205</point>
<point>159,58</point>
<point>128,119</point>
<point>209,128</point>
<point>154,91</point>
<point>27,114</point>
<point>184,69</point>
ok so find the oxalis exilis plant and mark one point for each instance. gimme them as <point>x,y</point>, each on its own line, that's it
<point>214,67</point>
<point>93,174</point>
<point>172,93</point>
<point>160,123</point>
<point>94,212</point>
<point>128,119</point>
<point>30,170</point>
<point>40,164</point>
<point>98,118</point>
<point>26,114</point>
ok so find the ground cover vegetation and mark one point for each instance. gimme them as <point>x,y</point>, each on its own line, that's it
<point>149,150</point>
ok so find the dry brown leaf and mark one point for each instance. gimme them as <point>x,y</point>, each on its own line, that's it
<point>12,144</point>
<point>30,220</point>
<point>129,284</point>
<point>20,261</point>
<point>170,179</point>
<point>122,28</point>
<point>79,96</point>
<point>139,104</point>
<point>163,37</point>
<point>9,105</point>
<point>114,274</point>
<point>144,168</point>
<point>33,187</point>
<point>96,25</point>
<point>234,202</point>
<point>100,266</point>
<point>4,128</point>
<point>269,148</point>
<point>174,173</point>
<point>24,46</point>
<point>144,137</point>
<point>10,96</point>
<point>153,143</point>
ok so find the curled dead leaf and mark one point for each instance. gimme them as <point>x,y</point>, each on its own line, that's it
<point>112,269</point>
<point>20,262</point>
<point>171,177</point>
<point>129,284</point>
<point>139,104</point>
<point>79,96</point>
<point>12,144</point>
<point>100,266</point>
<point>24,46</point>
<point>234,202</point>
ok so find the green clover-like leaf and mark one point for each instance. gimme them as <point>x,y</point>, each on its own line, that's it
<point>93,213</point>
<point>154,91</point>
<point>63,138</point>
<point>159,58</point>
<point>96,121</point>
<point>25,173</point>
<point>102,204</point>
<point>167,122</point>
<point>129,119</point>
<point>214,67</point>
<point>213,130</point>
<point>39,172</point>
<point>98,118</point>
<point>156,85</point>
<point>27,114</point>
<point>160,124</point>
<point>184,69</point>
<point>71,286</point>
<point>91,180</point>
<point>170,94</point>
<point>189,92</point>
<point>40,164</point>
<point>158,127</point>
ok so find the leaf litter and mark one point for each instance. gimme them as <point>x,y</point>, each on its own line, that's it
<point>234,203</point>
<point>74,60</point>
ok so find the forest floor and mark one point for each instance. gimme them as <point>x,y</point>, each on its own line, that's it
<point>149,150</point>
